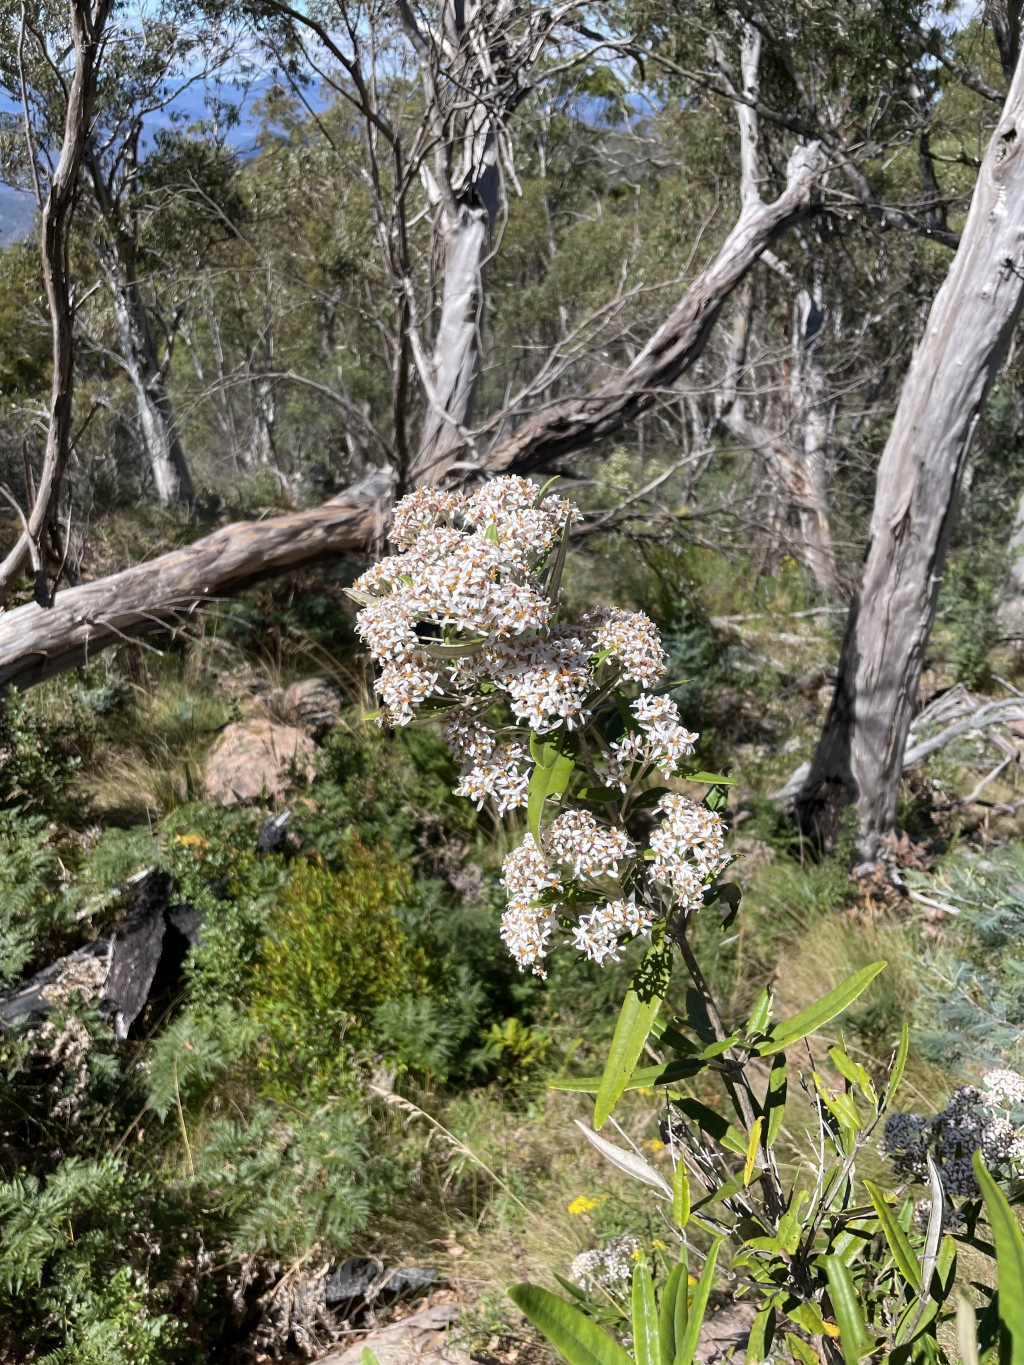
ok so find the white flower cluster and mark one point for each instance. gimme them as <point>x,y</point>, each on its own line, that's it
<point>970,1123</point>
<point>463,619</point>
<point>664,740</point>
<point>610,1265</point>
<point>1005,1088</point>
<point>466,569</point>
<point>633,639</point>
<point>525,925</point>
<point>688,847</point>
<point>497,777</point>
<point>591,850</point>
<point>598,933</point>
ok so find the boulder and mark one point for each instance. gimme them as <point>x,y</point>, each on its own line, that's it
<point>257,760</point>
<point>423,1338</point>
<point>312,705</point>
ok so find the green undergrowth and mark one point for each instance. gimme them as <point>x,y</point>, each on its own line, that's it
<point>349,1062</point>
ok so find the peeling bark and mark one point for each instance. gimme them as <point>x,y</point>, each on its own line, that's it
<point>859,757</point>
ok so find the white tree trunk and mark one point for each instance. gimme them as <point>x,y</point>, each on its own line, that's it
<point>160,440</point>
<point>812,506</point>
<point>860,754</point>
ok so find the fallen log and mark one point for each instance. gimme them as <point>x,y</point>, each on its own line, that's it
<point>36,643</point>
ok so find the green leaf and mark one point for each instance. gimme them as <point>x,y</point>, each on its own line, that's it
<point>845,1305</point>
<point>902,1252</point>
<point>688,1344</point>
<point>722,1045</point>
<point>682,1070</point>
<point>554,582</point>
<point>854,1073</point>
<point>1009,1242</point>
<point>719,1128</point>
<point>675,1285</point>
<point>755,1142</point>
<point>549,778</point>
<point>775,1099</point>
<point>800,1351</point>
<point>681,1196</point>
<point>762,1013</point>
<point>636,1018</point>
<point>797,1026</point>
<point>791,1226</point>
<point>762,1334</point>
<point>599,794</point>
<point>716,778</point>
<point>650,798</point>
<point>577,1337</point>
<point>900,1061</point>
<point>368,1358</point>
<point>840,1105</point>
<point>646,1341</point>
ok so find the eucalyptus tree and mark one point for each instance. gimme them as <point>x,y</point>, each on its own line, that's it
<point>859,758</point>
<point>142,166</point>
<point>68,44</point>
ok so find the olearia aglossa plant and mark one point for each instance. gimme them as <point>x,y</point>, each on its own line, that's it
<point>563,719</point>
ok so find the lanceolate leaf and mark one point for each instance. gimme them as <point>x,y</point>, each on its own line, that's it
<point>675,1285</point>
<point>846,1307</point>
<point>627,1161</point>
<point>639,1010</point>
<point>1009,1242</point>
<point>571,1332</point>
<point>681,1196</point>
<point>899,1062</point>
<point>687,1346</point>
<point>797,1026</point>
<point>368,1358</point>
<point>719,1128</point>
<point>646,1341</point>
<point>762,1334</point>
<point>902,1252</point>
<point>775,1100</point>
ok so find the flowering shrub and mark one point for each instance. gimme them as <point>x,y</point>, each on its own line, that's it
<point>464,622</point>
<point>562,719</point>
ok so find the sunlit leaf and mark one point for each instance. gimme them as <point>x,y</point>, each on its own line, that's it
<point>577,1337</point>
<point>646,1341</point>
<point>1009,1243</point>
<point>687,1345</point>
<point>902,1252</point>
<point>807,1021</point>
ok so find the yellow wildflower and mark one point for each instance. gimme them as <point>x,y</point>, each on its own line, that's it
<point>658,1244</point>
<point>583,1204</point>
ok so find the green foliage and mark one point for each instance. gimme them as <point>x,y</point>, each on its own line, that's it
<point>427,1033</point>
<point>72,1249</point>
<point>43,737</point>
<point>333,953</point>
<point>971,1006</point>
<point>212,856</point>
<point>278,1183</point>
<point>28,890</point>
<point>397,788</point>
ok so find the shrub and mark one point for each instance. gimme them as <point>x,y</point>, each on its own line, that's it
<point>333,952</point>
